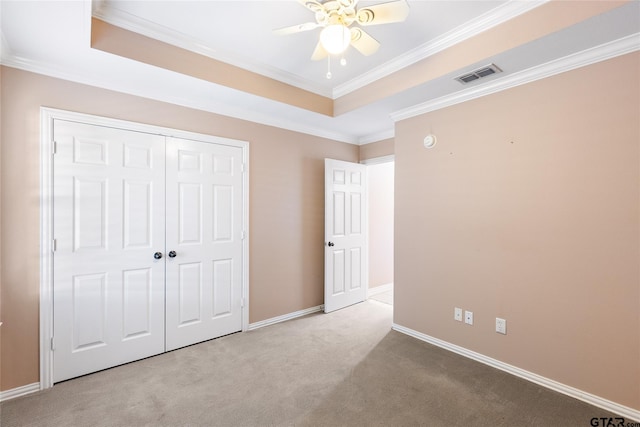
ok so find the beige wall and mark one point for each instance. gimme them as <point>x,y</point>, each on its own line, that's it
<point>376,149</point>
<point>286,204</point>
<point>528,208</point>
<point>380,224</point>
<point>0,226</point>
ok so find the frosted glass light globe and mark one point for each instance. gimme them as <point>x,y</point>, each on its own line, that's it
<point>335,38</point>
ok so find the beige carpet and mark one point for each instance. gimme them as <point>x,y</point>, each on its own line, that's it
<point>383,297</point>
<point>346,368</point>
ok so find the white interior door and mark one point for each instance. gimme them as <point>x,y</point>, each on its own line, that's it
<point>204,230</point>
<point>345,259</point>
<point>108,223</point>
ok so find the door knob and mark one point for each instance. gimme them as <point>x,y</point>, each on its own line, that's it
<point>331,244</point>
<point>157,255</point>
<point>172,254</point>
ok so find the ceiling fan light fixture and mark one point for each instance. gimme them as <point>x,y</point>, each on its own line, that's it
<point>335,38</point>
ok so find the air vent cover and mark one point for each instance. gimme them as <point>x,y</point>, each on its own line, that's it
<point>481,72</point>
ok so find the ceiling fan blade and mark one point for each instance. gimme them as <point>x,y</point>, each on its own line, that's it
<point>296,28</point>
<point>348,3</point>
<point>363,42</point>
<point>319,53</point>
<point>385,13</point>
<point>312,5</point>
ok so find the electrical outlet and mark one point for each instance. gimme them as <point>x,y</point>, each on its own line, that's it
<point>457,314</point>
<point>501,326</point>
<point>468,317</point>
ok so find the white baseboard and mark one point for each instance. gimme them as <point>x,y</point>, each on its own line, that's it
<point>19,391</point>
<point>285,317</point>
<point>379,289</point>
<point>624,411</point>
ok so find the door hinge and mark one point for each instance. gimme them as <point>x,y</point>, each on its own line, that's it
<point>53,345</point>
<point>243,168</point>
<point>243,235</point>
<point>54,148</point>
<point>54,245</point>
<point>241,302</point>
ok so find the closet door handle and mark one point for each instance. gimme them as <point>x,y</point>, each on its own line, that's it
<point>172,254</point>
<point>157,255</point>
<point>331,244</point>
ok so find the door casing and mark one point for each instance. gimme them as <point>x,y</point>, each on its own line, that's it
<point>47,245</point>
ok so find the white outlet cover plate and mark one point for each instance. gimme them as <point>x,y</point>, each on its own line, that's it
<point>457,314</point>
<point>501,326</point>
<point>468,317</point>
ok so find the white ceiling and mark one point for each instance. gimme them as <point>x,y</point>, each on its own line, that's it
<point>52,38</point>
<point>241,32</point>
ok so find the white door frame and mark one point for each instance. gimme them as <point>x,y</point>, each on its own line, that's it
<point>379,160</point>
<point>47,147</point>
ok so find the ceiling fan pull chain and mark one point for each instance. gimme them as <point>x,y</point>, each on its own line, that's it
<point>329,66</point>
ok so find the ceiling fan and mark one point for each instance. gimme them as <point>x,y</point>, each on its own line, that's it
<point>335,18</point>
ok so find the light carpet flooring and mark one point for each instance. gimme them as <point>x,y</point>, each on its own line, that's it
<point>384,297</point>
<point>347,368</point>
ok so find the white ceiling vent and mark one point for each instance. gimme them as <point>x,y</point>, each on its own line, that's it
<point>481,72</point>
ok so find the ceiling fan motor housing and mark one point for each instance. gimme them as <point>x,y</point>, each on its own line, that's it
<point>333,14</point>
<point>336,12</point>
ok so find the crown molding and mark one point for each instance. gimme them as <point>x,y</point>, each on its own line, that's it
<point>494,17</point>
<point>469,29</point>
<point>378,136</point>
<point>586,57</point>
<point>167,35</point>
<point>203,104</point>
<point>5,49</point>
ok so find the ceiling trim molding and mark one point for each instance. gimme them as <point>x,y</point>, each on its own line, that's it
<point>5,49</point>
<point>164,34</point>
<point>467,30</point>
<point>223,110</point>
<point>590,56</point>
<point>470,29</point>
<point>375,137</point>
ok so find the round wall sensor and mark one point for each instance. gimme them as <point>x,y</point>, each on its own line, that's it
<point>429,141</point>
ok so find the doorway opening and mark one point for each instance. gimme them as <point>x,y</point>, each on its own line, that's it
<point>381,173</point>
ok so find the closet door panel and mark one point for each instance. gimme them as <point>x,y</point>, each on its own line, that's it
<point>109,215</point>
<point>204,212</point>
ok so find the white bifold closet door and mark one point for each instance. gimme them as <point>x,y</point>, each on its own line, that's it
<point>148,252</point>
<point>204,212</point>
